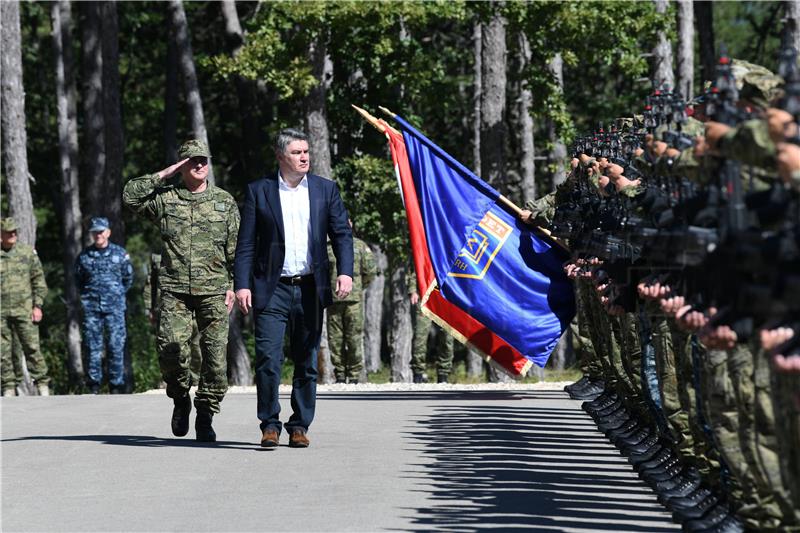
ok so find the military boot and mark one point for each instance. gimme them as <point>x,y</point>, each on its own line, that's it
<point>9,393</point>
<point>180,415</point>
<point>202,425</point>
<point>420,378</point>
<point>584,381</point>
<point>441,378</point>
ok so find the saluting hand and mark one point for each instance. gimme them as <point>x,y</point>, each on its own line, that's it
<point>172,169</point>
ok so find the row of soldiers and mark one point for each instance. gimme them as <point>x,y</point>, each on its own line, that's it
<point>683,371</point>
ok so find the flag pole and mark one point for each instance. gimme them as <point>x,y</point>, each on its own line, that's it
<point>372,120</point>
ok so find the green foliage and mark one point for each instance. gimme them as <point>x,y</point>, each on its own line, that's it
<point>369,189</point>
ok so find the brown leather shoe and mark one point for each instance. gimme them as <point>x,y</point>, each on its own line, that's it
<point>269,438</point>
<point>298,439</point>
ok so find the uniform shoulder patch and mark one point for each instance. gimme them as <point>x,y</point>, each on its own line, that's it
<point>220,206</point>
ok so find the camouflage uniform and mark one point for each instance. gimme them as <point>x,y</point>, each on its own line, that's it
<point>346,317</point>
<point>22,287</point>
<point>419,347</point>
<point>199,233</point>
<point>152,306</point>
<point>103,277</point>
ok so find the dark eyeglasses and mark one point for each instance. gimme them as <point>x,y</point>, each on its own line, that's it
<point>199,160</point>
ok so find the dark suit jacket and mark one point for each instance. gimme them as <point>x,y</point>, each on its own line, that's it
<point>261,247</point>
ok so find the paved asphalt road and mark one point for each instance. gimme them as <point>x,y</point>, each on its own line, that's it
<point>426,460</point>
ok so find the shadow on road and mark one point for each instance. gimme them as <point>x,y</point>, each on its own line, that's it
<point>140,440</point>
<point>497,467</point>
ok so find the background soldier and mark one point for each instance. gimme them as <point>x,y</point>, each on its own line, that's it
<point>22,291</point>
<point>419,349</point>
<point>104,275</point>
<point>199,224</point>
<point>152,307</point>
<point>346,316</point>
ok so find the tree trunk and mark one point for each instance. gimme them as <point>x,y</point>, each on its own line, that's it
<point>493,99</point>
<point>112,110</point>
<point>316,112</point>
<point>239,372</point>
<point>477,47</point>
<point>792,26</point>
<point>180,29</point>
<point>373,314</point>
<point>559,154</point>
<point>171,99</point>
<point>94,119</point>
<point>704,20</point>
<point>71,226</point>
<point>474,362</point>
<point>524,108</point>
<point>662,53</point>
<point>252,141</point>
<point>15,154</point>
<point>685,48</point>
<point>400,332</point>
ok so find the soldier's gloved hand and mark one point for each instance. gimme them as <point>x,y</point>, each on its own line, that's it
<point>36,315</point>
<point>230,298</point>
<point>244,299</point>
<point>172,169</point>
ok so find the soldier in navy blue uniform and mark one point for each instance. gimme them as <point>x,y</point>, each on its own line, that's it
<point>104,274</point>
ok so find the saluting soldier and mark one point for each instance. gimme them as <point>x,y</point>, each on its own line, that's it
<point>199,224</point>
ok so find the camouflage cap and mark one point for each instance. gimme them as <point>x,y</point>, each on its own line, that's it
<point>8,224</point>
<point>761,88</point>
<point>193,148</point>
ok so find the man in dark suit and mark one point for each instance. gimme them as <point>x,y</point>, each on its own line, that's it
<point>281,272</point>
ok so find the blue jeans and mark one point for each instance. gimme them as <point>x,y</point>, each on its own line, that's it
<point>295,310</point>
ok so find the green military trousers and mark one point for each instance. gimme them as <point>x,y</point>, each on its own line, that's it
<point>178,311</point>
<point>28,335</point>
<point>346,339</point>
<point>419,349</point>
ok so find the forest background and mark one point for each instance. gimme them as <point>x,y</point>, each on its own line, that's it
<point>95,93</point>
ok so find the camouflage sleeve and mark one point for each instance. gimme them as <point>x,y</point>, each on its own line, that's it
<point>232,237</point>
<point>543,209</point>
<point>749,143</point>
<point>411,279</point>
<point>140,195</point>
<point>146,290</point>
<point>38,283</point>
<point>368,268</point>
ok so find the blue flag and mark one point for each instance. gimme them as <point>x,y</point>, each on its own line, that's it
<point>486,262</point>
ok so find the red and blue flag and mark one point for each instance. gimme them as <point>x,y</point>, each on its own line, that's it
<point>488,279</point>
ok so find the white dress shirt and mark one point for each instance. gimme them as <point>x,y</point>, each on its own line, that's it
<point>296,211</point>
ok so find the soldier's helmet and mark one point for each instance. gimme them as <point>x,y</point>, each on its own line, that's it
<point>193,148</point>
<point>99,224</point>
<point>8,224</point>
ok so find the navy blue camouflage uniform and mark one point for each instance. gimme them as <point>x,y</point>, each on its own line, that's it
<point>104,276</point>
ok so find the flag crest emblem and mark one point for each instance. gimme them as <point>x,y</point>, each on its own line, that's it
<point>482,246</point>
